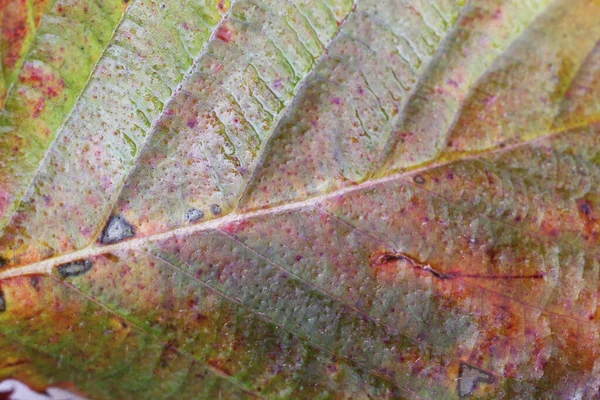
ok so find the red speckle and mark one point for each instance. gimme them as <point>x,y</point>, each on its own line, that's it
<point>222,6</point>
<point>490,100</point>
<point>191,123</point>
<point>52,92</point>
<point>234,227</point>
<point>15,35</point>
<point>48,85</point>
<point>217,67</point>
<point>453,83</point>
<point>336,100</point>
<point>39,106</point>
<point>224,34</point>
<point>33,75</point>
<point>5,199</point>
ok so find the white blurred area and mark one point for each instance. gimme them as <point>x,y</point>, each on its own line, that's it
<point>12,389</point>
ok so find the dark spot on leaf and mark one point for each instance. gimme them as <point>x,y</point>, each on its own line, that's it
<point>469,377</point>
<point>2,301</point>
<point>35,283</point>
<point>585,208</point>
<point>74,268</point>
<point>193,215</point>
<point>215,209</point>
<point>116,230</point>
<point>419,179</point>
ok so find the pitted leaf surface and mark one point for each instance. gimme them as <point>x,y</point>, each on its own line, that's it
<point>301,199</point>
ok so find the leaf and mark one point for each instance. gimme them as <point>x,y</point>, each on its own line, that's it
<point>303,199</point>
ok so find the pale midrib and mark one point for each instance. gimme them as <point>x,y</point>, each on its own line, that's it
<point>66,119</point>
<point>46,266</point>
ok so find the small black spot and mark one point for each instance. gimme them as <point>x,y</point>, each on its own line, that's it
<point>469,377</point>
<point>74,268</point>
<point>3,262</point>
<point>116,230</point>
<point>215,209</point>
<point>35,283</point>
<point>585,208</point>
<point>2,301</point>
<point>193,215</point>
<point>419,179</point>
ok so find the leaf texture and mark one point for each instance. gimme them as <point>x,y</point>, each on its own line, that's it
<point>302,199</point>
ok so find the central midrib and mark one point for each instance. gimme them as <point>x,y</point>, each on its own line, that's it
<point>46,266</point>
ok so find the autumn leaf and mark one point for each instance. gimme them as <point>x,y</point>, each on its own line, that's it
<point>301,199</point>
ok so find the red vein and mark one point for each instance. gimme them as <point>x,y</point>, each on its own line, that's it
<point>392,256</point>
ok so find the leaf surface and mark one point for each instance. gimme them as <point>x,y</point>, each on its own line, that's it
<point>305,199</point>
